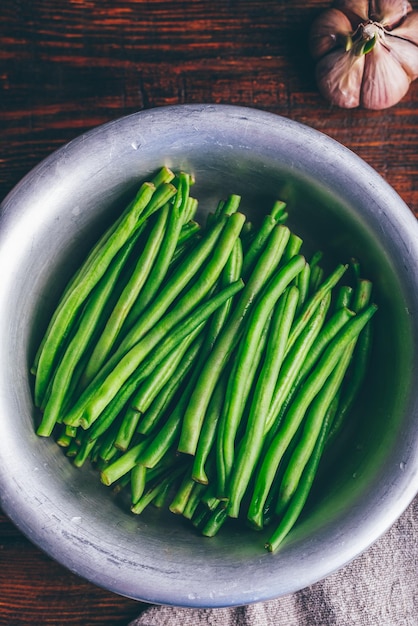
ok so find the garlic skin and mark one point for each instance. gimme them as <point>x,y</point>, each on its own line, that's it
<point>366,52</point>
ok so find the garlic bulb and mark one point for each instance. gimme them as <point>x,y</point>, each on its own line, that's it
<point>366,52</point>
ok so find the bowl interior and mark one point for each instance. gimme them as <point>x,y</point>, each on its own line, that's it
<point>337,204</point>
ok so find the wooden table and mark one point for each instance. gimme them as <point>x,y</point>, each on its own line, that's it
<point>69,65</point>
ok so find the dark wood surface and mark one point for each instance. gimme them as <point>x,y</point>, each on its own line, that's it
<point>69,65</point>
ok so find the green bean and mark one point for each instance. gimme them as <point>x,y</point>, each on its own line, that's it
<point>215,521</point>
<point>183,275</point>
<point>293,362</point>
<point>330,328</point>
<point>240,381</point>
<point>123,464</point>
<point>151,418</point>
<point>193,500</point>
<point>154,491</point>
<point>257,244</point>
<point>312,427</point>
<point>250,355</point>
<point>361,359</point>
<point>103,388</point>
<point>303,490</point>
<point>167,334</point>
<point>251,444</point>
<point>207,436</point>
<point>161,498</point>
<point>314,301</point>
<point>83,452</point>
<point>64,440</point>
<point>302,283</point>
<point>362,294</point>
<point>112,412</point>
<point>165,252</point>
<point>230,206</point>
<point>182,495</point>
<point>231,272</point>
<point>275,216</point>
<point>148,388</point>
<point>343,298</point>
<point>316,258</point>
<point>190,210</point>
<point>64,374</point>
<point>149,199</point>
<point>298,409</point>
<point>163,440</point>
<point>189,230</point>
<point>164,175</point>
<point>163,372</point>
<point>316,278</point>
<point>138,482</point>
<point>106,451</point>
<point>128,296</point>
<point>225,343</point>
<point>293,247</point>
<point>200,516</point>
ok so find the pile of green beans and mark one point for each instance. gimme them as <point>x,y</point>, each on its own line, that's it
<point>204,368</point>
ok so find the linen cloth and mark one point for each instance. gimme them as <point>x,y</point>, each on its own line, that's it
<point>378,588</point>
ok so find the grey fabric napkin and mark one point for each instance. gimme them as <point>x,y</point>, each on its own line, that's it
<point>379,588</point>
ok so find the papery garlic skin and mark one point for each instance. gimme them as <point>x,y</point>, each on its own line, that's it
<point>363,61</point>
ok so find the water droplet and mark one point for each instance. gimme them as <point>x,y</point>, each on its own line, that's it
<point>135,145</point>
<point>402,466</point>
<point>76,520</point>
<point>355,475</point>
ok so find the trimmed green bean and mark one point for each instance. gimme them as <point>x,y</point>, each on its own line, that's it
<point>312,427</point>
<point>361,360</point>
<point>148,198</point>
<point>208,434</point>
<point>302,283</point>
<point>215,521</point>
<point>184,275</point>
<point>182,495</point>
<point>257,244</point>
<point>251,445</point>
<point>154,491</point>
<point>149,386</point>
<point>239,387</point>
<point>298,409</point>
<point>316,278</point>
<point>362,294</point>
<point>123,464</point>
<point>104,387</point>
<point>194,500</point>
<point>303,490</point>
<point>138,482</point>
<point>226,341</point>
<point>167,334</point>
<point>61,380</point>
<point>156,411</point>
<point>314,301</point>
<point>250,355</point>
<point>128,296</point>
<point>330,328</point>
<point>343,298</point>
<point>293,247</point>
<point>293,362</point>
<point>165,252</point>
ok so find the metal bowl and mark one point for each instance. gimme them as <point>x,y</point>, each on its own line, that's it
<point>337,203</point>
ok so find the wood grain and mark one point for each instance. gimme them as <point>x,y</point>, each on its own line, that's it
<point>69,65</point>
